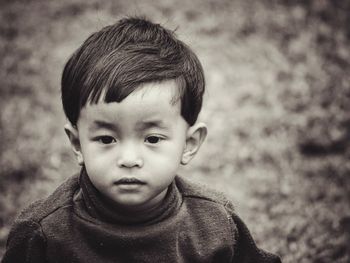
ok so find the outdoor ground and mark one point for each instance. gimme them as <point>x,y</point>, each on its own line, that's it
<point>277,107</point>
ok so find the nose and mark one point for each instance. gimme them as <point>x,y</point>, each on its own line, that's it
<point>129,156</point>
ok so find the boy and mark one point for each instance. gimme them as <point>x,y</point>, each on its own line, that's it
<point>132,94</point>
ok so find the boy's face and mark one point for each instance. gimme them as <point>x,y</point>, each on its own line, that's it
<point>132,149</point>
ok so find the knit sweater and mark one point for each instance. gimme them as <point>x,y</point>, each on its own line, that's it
<point>193,224</point>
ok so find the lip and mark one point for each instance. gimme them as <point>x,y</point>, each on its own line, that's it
<point>129,181</point>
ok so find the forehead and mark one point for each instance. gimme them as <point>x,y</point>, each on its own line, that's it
<point>157,92</point>
<point>151,101</point>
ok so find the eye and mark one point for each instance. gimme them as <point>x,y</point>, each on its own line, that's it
<point>153,139</point>
<point>106,139</point>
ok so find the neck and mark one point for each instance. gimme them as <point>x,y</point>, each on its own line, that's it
<point>136,210</point>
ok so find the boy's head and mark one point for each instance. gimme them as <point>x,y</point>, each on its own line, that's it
<point>132,94</point>
<point>118,59</point>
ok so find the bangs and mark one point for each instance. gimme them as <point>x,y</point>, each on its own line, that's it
<point>113,77</point>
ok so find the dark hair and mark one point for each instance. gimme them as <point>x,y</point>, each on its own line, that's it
<point>116,60</point>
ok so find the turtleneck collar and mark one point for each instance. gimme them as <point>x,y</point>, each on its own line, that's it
<point>97,207</point>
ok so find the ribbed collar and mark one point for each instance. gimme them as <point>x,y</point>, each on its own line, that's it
<point>101,210</point>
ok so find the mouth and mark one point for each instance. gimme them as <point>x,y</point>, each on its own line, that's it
<point>129,181</point>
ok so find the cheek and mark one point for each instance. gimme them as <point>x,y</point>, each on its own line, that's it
<point>95,161</point>
<point>168,158</point>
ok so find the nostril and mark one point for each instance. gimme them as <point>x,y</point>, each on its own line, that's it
<point>125,163</point>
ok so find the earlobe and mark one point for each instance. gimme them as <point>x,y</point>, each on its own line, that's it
<point>196,135</point>
<point>73,136</point>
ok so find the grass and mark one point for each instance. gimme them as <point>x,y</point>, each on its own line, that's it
<point>276,106</point>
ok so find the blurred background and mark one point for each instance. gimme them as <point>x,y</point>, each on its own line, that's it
<point>277,106</point>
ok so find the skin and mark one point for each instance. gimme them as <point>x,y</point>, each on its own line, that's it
<point>132,149</point>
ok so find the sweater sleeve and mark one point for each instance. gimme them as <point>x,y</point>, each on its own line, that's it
<point>245,249</point>
<point>26,243</point>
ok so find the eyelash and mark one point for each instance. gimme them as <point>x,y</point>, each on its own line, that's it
<point>102,139</point>
<point>109,139</point>
<point>158,138</point>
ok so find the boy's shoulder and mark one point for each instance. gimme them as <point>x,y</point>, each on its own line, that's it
<point>61,197</point>
<point>194,190</point>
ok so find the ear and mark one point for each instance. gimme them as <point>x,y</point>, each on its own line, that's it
<point>196,135</point>
<point>73,136</point>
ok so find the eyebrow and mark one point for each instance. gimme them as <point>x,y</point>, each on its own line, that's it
<point>144,125</point>
<point>104,124</point>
